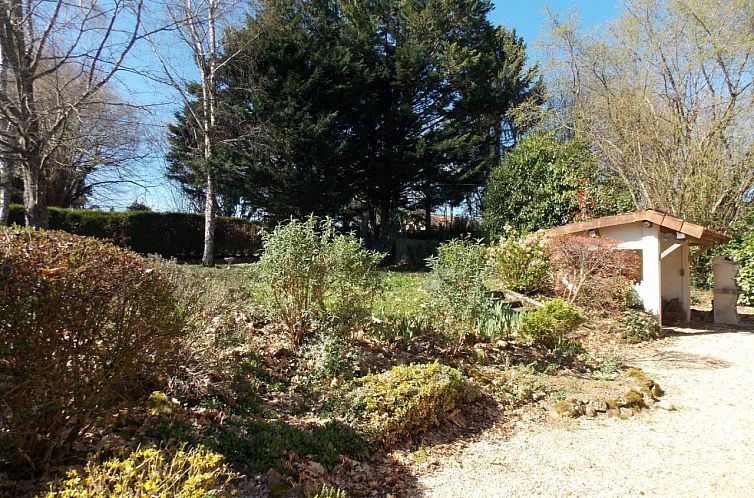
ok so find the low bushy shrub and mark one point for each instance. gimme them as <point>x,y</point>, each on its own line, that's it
<point>86,327</point>
<point>516,384</point>
<point>593,272</point>
<point>550,325</point>
<point>328,355</point>
<point>314,273</point>
<point>404,401</point>
<point>195,472</point>
<point>258,445</point>
<point>639,326</point>
<point>459,298</point>
<point>520,263</point>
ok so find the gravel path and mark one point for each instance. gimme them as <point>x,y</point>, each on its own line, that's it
<point>705,448</point>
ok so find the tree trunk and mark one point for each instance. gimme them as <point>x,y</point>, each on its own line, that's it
<point>427,208</point>
<point>210,220</point>
<point>374,230</point>
<point>4,191</point>
<point>4,164</point>
<point>209,92</point>
<point>35,193</point>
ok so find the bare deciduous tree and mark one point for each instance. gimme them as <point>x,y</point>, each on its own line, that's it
<point>198,26</point>
<point>98,148</point>
<point>5,164</point>
<point>665,96</point>
<point>39,38</point>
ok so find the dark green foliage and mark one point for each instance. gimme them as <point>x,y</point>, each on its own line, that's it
<point>404,401</point>
<point>543,182</point>
<point>86,328</point>
<point>246,385</point>
<point>176,429</point>
<point>365,108</point>
<point>171,235</point>
<point>261,444</point>
<point>741,250</point>
<point>88,223</point>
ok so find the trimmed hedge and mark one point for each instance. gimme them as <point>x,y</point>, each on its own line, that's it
<point>171,235</point>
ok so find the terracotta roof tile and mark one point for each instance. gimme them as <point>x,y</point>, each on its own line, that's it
<point>699,232</point>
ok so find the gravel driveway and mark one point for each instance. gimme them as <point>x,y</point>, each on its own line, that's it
<point>705,448</point>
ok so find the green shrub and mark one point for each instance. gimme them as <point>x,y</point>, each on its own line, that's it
<point>245,387</point>
<point>259,445</point>
<point>327,355</point>
<point>196,472</point>
<point>520,263</point>
<point>516,384</point>
<point>742,251</point>
<point>550,325</point>
<point>175,429</point>
<point>545,182</point>
<point>404,400</point>
<point>171,235</point>
<point>314,274</point>
<point>639,326</point>
<point>85,326</point>
<point>459,298</point>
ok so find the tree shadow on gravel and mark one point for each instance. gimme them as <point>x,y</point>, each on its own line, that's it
<point>396,472</point>
<point>684,360</point>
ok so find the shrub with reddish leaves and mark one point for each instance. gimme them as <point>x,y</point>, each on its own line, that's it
<point>86,327</point>
<point>592,272</point>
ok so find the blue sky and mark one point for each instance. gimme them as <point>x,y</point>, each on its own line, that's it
<point>527,16</point>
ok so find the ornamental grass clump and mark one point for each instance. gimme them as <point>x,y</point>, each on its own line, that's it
<point>404,401</point>
<point>87,328</point>
<point>186,473</point>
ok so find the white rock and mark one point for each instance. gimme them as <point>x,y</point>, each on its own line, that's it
<point>666,405</point>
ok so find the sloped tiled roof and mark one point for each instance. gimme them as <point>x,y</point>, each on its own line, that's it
<point>698,232</point>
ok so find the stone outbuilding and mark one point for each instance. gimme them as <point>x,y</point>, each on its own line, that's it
<point>662,242</point>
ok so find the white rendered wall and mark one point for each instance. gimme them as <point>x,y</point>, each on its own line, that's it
<point>675,274</point>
